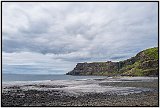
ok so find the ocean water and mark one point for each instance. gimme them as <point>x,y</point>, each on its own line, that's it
<point>33,77</point>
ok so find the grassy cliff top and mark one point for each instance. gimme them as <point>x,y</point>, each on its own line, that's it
<point>152,52</point>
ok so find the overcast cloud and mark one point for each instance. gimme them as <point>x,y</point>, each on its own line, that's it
<point>52,37</point>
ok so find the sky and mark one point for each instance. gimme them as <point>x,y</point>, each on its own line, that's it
<point>51,38</point>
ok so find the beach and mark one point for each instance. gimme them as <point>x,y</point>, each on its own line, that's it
<point>109,91</point>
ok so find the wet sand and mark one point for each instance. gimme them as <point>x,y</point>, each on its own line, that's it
<point>118,91</point>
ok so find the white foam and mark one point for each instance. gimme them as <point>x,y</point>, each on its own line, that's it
<point>81,86</point>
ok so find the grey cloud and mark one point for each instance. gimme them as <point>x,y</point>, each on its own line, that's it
<point>117,57</point>
<point>35,28</point>
<point>29,69</point>
<point>98,29</point>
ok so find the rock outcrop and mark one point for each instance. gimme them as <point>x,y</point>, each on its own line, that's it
<point>144,63</point>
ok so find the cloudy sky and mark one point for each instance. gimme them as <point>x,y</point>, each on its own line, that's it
<point>50,38</point>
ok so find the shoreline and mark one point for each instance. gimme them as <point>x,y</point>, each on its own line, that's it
<point>119,91</point>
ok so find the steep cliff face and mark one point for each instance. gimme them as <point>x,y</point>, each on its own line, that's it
<point>144,63</point>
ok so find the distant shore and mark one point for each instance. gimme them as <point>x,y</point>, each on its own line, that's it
<point>117,91</point>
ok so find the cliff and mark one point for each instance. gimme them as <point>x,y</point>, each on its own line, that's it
<point>145,63</point>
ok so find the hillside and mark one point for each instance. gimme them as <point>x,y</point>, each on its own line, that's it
<point>145,63</point>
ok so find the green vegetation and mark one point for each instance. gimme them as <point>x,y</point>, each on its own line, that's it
<point>152,53</point>
<point>144,63</point>
<point>143,67</point>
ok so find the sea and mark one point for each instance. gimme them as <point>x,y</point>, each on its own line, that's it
<point>40,77</point>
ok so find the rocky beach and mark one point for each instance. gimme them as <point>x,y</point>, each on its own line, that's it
<point>80,53</point>
<point>109,91</point>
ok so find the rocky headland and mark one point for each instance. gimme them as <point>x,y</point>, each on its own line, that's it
<point>121,90</point>
<point>145,63</point>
